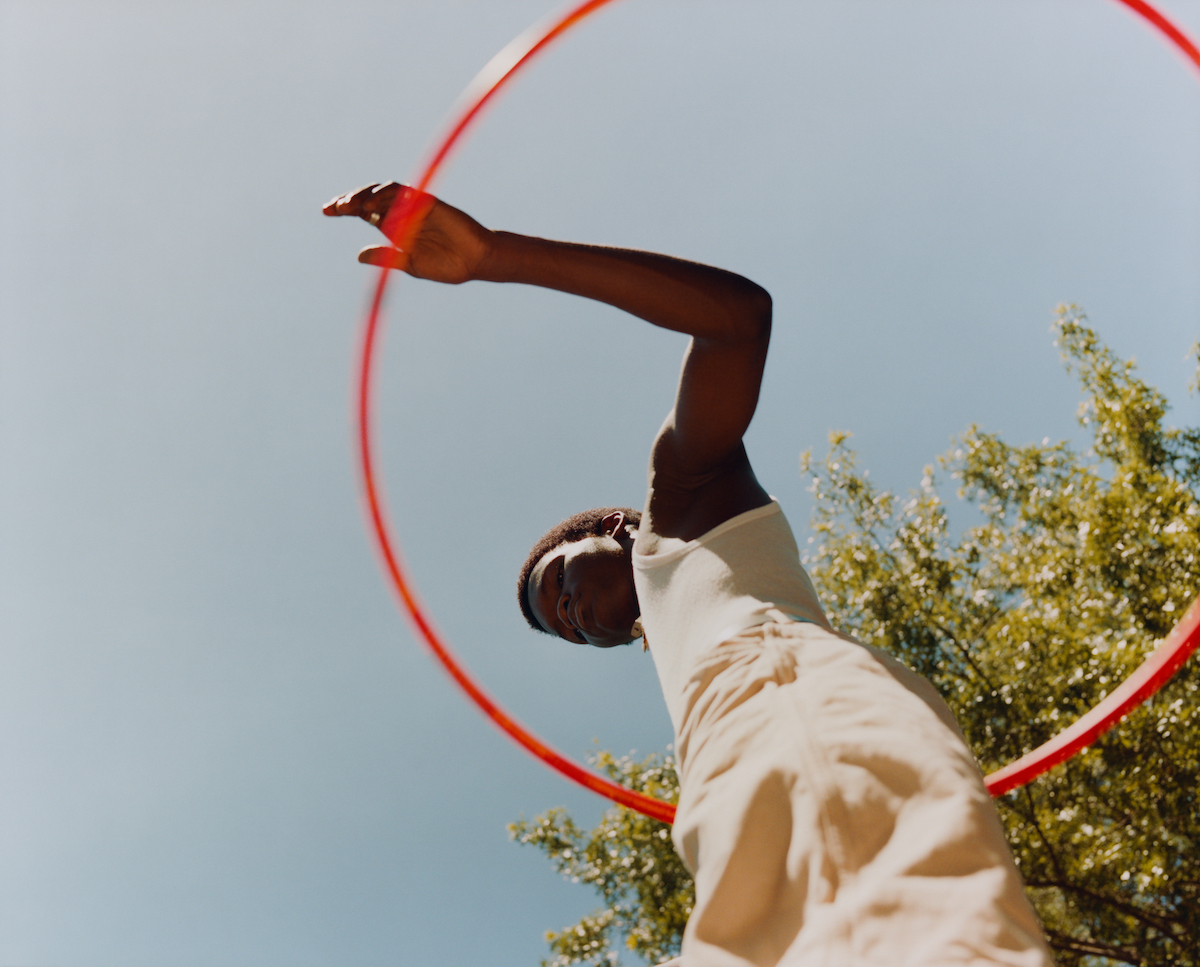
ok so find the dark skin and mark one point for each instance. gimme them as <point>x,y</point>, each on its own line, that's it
<point>699,473</point>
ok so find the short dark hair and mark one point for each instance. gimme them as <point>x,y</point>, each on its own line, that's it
<point>586,523</point>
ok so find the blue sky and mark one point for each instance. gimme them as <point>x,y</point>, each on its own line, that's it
<point>219,743</point>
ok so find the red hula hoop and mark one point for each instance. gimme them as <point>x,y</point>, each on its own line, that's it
<point>403,221</point>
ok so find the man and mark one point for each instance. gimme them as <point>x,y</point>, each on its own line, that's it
<point>829,808</point>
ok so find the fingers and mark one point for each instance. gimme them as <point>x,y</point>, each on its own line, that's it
<point>367,201</point>
<point>384,256</point>
<point>372,203</point>
<point>349,203</point>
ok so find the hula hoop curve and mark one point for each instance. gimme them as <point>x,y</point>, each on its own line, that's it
<point>402,224</point>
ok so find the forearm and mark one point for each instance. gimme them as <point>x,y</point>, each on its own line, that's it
<point>727,316</point>
<point>707,303</point>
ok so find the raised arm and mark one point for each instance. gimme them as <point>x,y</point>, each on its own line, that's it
<point>727,316</point>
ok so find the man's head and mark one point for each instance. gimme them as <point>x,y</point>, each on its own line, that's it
<point>577,582</point>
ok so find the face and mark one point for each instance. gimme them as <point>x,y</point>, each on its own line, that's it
<point>584,592</point>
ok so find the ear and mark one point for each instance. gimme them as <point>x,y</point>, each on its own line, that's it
<point>611,524</point>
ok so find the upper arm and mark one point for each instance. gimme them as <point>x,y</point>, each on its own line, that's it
<point>716,399</point>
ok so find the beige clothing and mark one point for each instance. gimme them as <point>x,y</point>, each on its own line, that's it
<point>830,810</point>
<point>696,594</point>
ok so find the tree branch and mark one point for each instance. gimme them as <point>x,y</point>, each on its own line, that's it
<point>1169,928</point>
<point>965,652</point>
<point>1091,948</point>
<point>1032,817</point>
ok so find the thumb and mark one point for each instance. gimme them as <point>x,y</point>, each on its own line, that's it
<point>384,256</point>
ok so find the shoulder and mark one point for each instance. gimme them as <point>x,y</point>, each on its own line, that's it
<point>686,504</point>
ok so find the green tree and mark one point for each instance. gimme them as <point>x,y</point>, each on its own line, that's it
<point>629,860</point>
<point>1080,565</point>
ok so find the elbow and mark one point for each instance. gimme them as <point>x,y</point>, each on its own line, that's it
<point>740,315</point>
<point>757,314</point>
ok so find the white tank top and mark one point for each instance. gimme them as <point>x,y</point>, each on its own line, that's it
<point>696,594</point>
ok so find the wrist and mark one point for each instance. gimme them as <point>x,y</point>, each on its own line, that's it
<point>499,257</point>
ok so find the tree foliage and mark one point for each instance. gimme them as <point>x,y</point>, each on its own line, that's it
<point>1079,567</point>
<point>629,860</point>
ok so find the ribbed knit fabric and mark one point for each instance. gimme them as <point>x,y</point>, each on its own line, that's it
<point>696,594</point>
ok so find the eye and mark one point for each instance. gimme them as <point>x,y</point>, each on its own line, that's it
<point>561,570</point>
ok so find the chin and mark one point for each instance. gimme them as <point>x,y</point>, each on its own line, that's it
<point>612,644</point>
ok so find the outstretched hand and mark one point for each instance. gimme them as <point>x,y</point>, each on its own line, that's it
<point>443,244</point>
